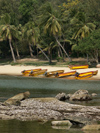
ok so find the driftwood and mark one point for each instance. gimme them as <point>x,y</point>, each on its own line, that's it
<point>50,109</point>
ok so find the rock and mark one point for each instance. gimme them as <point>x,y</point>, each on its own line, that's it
<point>98,65</point>
<point>68,96</point>
<point>61,96</point>
<point>91,127</point>
<point>60,127</point>
<point>48,109</point>
<point>15,100</point>
<point>61,123</point>
<point>81,95</point>
<point>93,94</point>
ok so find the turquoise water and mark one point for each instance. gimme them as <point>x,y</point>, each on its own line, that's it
<point>42,87</point>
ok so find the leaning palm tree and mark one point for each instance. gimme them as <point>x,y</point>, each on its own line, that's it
<point>7,31</point>
<point>52,25</point>
<point>31,33</point>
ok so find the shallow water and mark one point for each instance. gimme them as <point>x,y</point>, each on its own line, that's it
<point>47,87</point>
<point>42,87</point>
<point>14,126</point>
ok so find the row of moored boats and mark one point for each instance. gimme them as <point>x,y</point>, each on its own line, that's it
<point>61,73</point>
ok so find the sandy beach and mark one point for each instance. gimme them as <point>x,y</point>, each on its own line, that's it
<point>16,70</point>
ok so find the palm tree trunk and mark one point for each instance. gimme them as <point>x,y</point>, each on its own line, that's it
<point>12,52</point>
<point>49,53</point>
<point>43,53</point>
<point>62,48</point>
<point>31,54</point>
<point>18,56</point>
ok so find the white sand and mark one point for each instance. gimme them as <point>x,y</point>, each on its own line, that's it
<point>16,70</point>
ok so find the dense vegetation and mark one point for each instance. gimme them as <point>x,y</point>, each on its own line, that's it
<point>50,29</point>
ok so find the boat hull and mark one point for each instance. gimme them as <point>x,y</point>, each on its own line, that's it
<point>53,73</point>
<point>65,74</point>
<point>41,72</point>
<point>78,66</point>
<point>26,72</point>
<point>84,76</point>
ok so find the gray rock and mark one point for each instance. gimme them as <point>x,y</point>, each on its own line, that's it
<point>16,100</point>
<point>92,127</point>
<point>61,123</point>
<point>81,95</point>
<point>61,96</point>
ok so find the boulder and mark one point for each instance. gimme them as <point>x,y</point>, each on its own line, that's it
<point>15,100</point>
<point>62,123</point>
<point>61,96</point>
<point>81,95</point>
<point>91,127</point>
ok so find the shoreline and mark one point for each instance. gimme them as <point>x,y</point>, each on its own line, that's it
<point>16,70</point>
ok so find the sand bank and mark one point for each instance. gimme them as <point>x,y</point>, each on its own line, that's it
<point>16,70</point>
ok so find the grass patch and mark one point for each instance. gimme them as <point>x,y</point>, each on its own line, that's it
<point>41,63</point>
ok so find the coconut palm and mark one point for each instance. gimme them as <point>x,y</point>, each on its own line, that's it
<point>52,25</point>
<point>28,34</point>
<point>31,33</point>
<point>82,28</point>
<point>7,31</point>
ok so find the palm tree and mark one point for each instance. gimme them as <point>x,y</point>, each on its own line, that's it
<point>82,28</point>
<point>52,26</point>
<point>32,34</point>
<point>28,34</point>
<point>7,31</point>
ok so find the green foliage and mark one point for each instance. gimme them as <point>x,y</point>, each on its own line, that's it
<point>90,45</point>
<point>46,22</point>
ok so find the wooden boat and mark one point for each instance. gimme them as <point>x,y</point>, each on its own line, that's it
<point>53,73</point>
<point>26,72</point>
<point>84,76</point>
<point>95,72</point>
<point>59,75</point>
<point>86,73</point>
<point>78,66</point>
<point>32,73</point>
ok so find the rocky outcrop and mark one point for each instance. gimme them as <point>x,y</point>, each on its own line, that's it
<point>81,95</point>
<point>44,109</point>
<point>16,100</point>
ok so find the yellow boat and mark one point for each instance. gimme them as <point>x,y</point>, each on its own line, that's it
<point>78,66</point>
<point>59,75</point>
<point>84,76</point>
<point>32,73</point>
<point>26,72</point>
<point>95,72</point>
<point>86,73</point>
<point>53,73</point>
